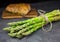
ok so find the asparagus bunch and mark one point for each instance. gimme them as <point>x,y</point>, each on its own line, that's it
<point>31,21</point>
<point>23,28</point>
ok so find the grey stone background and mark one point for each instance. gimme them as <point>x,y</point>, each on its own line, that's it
<point>38,36</point>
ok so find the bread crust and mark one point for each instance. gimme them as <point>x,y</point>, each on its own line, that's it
<point>21,8</point>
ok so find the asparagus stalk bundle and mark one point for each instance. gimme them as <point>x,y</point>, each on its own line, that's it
<point>33,20</point>
<point>23,28</point>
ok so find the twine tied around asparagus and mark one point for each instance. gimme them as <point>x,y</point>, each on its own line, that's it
<point>41,13</point>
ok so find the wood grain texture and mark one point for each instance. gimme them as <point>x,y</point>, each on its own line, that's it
<point>32,13</point>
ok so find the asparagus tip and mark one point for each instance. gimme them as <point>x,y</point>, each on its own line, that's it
<point>12,34</point>
<point>7,29</point>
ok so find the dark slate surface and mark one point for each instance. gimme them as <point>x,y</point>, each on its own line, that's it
<point>38,36</point>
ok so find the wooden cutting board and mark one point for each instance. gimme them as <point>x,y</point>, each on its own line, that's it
<point>32,13</point>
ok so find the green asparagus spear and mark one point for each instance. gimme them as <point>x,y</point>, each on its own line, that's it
<point>12,34</point>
